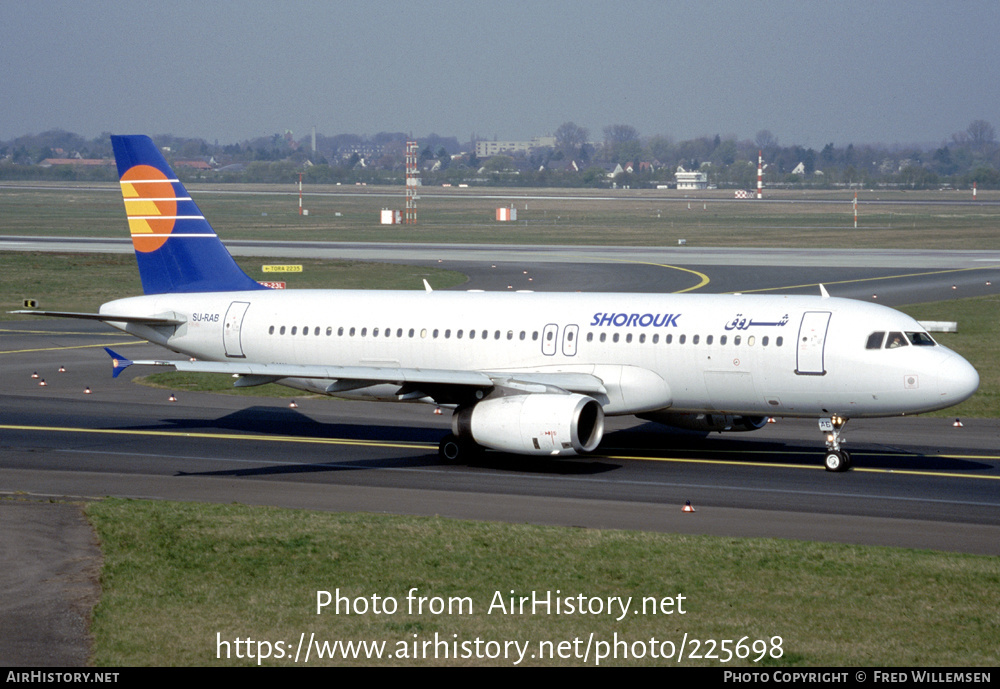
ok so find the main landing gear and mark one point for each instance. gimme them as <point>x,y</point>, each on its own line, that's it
<point>835,459</point>
<point>453,449</point>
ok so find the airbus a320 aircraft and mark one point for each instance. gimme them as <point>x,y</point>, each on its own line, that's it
<point>527,373</point>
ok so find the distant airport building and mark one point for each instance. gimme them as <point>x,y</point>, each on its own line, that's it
<point>487,149</point>
<point>691,181</point>
<point>81,162</point>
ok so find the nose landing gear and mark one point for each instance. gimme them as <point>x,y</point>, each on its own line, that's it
<point>835,459</point>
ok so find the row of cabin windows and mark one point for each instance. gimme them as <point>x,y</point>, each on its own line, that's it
<point>399,333</point>
<point>751,340</point>
<point>523,335</point>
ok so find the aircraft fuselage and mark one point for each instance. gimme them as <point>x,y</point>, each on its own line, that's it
<point>740,354</point>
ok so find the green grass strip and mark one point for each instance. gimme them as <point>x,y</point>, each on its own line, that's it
<point>179,577</point>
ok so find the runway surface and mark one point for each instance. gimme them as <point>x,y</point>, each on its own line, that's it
<point>918,482</point>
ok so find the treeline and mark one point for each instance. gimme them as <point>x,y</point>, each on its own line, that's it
<point>623,157</point>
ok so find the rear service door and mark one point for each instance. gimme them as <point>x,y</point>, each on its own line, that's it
<point>231,332</point>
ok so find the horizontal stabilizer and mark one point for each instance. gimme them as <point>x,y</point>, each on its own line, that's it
<point>118,362</point>
<point>103,317</point>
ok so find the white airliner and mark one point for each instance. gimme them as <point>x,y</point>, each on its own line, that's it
<point>527,373</point>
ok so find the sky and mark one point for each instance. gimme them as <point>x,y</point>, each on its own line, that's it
<point>811,73</point>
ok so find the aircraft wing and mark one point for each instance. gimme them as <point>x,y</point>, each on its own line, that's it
<point>348,377</point>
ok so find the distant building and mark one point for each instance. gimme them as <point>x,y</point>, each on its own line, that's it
<point>488,149</point>
<point>691,181</point>
<point>194,164</point>
<point>800,169</point>
<point>84,162</point>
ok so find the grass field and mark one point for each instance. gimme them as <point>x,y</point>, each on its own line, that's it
<point>177,575</point>
<point>82,282</point>
<point>550,216</point>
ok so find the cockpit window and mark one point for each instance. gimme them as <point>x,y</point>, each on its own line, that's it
<point>920,339</point>
<point>895,341</point>
<point>875,340</point>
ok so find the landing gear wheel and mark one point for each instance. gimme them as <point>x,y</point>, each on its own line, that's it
<point>450,448</point>
<point>453,449</point>
<point>837,460</point>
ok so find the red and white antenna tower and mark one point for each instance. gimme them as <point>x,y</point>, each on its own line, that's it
<point>760,174</point>
<point>412,182</point>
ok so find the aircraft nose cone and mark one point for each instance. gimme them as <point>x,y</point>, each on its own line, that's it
<point>958,380</point>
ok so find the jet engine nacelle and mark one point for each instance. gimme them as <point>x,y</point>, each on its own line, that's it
<point>708,422</point>
<point>534,424</point>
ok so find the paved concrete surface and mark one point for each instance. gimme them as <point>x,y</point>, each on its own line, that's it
<point>50,593</point>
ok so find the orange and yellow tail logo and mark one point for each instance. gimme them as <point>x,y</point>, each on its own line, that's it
<point>151,206</point>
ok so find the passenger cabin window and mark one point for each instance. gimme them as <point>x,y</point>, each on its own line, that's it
<point>875,340</point>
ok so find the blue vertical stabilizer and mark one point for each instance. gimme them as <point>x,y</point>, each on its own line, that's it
<point>177,250</point>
